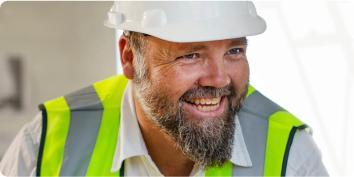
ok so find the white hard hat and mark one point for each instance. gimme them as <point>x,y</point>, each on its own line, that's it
<point>187,21</point>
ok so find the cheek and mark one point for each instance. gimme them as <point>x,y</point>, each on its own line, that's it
<point>239,74</point>
<point>174,81</point>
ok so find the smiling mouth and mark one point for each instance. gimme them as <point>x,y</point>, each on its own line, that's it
<point>205,104</point>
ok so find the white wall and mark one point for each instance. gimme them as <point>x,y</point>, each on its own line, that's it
<point>305,62</point>
<point>65,47</point>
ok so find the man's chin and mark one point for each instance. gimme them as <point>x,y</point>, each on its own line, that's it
<point>206,141</point>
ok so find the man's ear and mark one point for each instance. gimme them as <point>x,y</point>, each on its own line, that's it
<point>126,57</point>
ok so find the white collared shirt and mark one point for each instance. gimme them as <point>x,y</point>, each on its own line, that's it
<point>20,158</point>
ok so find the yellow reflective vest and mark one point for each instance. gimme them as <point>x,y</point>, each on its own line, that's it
<point>80,130</point>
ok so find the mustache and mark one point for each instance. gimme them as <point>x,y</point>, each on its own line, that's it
<point>207,91</point>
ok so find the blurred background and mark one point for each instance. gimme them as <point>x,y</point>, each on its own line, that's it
<point>304,62</point>
<point>48,49</point>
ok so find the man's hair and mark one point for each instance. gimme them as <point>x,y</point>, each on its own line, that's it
<point>135,40</point>
<point>137,43</point>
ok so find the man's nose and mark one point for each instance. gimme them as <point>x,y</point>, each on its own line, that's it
<point>215,74</point>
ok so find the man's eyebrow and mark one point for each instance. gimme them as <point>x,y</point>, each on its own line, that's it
<point>239,41</point>
<point>194,48</point>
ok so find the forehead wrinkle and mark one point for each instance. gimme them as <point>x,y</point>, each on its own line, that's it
<point>161,53</point>
<point>163,57</point>
<point>164,52</point>
<point>159,50</point>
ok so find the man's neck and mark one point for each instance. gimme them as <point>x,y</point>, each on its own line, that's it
<point>169,159</point>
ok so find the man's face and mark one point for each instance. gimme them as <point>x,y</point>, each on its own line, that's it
<point>192,92</point>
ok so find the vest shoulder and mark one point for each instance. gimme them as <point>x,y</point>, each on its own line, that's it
<point>259,106</point>
<point>88,98</point>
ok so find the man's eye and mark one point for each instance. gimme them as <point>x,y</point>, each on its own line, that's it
<point>234,51</point>
<point>189,56</point>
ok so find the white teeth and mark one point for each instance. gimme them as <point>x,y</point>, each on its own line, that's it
<point>206,108</point>
<point>206,101</point>
<point>199,107</point>
<point>206,104</point>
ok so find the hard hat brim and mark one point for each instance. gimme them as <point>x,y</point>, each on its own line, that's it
<point>208,31</point>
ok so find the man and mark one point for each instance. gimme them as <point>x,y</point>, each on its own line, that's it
<point>184,106</point>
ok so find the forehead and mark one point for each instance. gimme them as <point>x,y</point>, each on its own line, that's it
<point>205,45</point>
<point>194,46</point>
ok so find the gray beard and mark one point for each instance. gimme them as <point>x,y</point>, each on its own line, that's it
<point>206,142</point>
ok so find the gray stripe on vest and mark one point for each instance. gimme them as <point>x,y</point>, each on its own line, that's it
<point>85,120</point>
<point>260,105</point>
<point>253,117</point>
<point>84,99</point>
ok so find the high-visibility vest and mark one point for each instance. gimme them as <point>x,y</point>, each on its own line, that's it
<point>80,131</point>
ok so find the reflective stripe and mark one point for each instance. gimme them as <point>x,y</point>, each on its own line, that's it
<point>260,106</point>
<point>86,111</point>
<point>84,100</point>
<point>255,142</point>
<point>280,126</point>
<point>273,125</point>
<point>110,92</point>
<point>58,120</point>
<point>253,116</point>
<point>225,170</point>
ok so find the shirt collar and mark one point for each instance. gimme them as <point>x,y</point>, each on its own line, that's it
<point>130,140</point>
<point>240,155</point>
<point>130,136</point>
